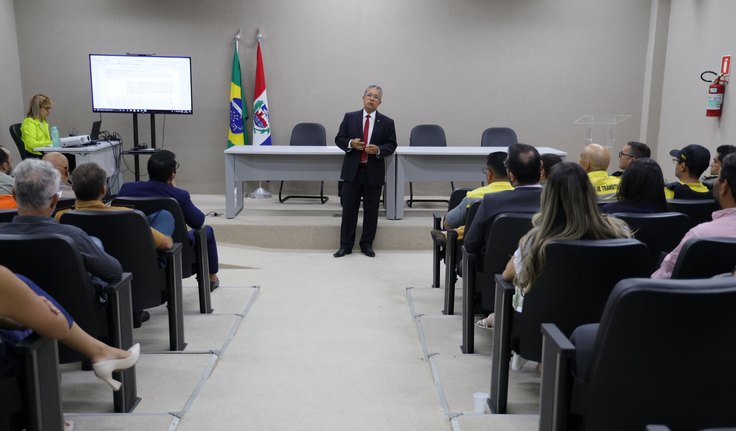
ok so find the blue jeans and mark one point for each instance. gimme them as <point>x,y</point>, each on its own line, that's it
<point>162,221</point>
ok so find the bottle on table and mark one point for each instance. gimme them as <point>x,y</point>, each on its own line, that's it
<point>55,141</point>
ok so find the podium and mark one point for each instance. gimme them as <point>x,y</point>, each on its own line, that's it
<point>610,121</point>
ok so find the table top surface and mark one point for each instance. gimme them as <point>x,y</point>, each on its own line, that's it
<point>429,151</point>
<point>100,145</point>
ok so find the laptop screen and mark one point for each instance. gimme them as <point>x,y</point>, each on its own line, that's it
<point>95,133</point>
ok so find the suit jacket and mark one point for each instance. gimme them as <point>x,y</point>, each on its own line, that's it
<point>384,136</point>
<point>520,200</point>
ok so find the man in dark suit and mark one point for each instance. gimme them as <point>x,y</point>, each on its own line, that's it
<point>367,137</point>
<point>524,166</point>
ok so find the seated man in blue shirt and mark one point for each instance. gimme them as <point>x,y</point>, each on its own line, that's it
<point>161,182</point>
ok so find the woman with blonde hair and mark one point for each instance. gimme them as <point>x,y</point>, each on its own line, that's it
<point>35,130</point>
<point>568,211</point>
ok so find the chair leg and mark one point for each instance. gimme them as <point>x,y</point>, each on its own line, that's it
<point>468,345</point>
<point>322,196</point>
<point>174,303</point>
<point>121,306</point>
<point>450,276</point>
<point>410,202</point>
<point>41,381</point>
<point>281,188</point>
<point>203,272</point>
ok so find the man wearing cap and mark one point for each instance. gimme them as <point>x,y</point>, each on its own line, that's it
<point>595,160</point>
<point>724,220</point>
<point>690,163</point>
<point>715,166</point>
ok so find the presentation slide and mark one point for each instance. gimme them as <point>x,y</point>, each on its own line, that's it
<point>141,84</point>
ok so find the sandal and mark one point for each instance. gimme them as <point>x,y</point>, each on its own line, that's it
<point>68,426</point>
<point>486,323</point>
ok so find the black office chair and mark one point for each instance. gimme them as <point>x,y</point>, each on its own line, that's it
<point>502,241</point>
<point>453,265</point>
<point>193,256</point>
<point>650,360</point>
<point>16,135</point>
<point>426,135</point>
<point>698,211</point>
<point>661,232</point>
<point>571,290</point>
<point>127,237</point>
<point>55,264</point>
<point>705,257</point>
<point>6,216</point>
<point>30,397</point>
<point>307,134</point>
<point>439,239</point>
<point>498,137</point>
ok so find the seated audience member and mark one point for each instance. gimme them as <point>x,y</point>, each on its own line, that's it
<point>715,166</point>
<point>89,180</point>
<point>568,211</point>
<point>37,192</point>
<point>724,220</point>
<point>6,169</point>
<point>61,164</point>
<point>524,168</point>
<point>25,307</point>
<point>34,131</point>
<point>690,163</point>
<point>7,201</point>
<point>548,162</point>
<point>162,166</point>
<point>595,160</point>
<point>632,150</point>
<point>641,189</point>
<point>497,180</point>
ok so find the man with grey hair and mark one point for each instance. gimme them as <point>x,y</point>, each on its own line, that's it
<point>367,137</point>
<point>37,192</point>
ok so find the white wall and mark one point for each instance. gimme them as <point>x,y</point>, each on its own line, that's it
<point>699,33</point>
<point>11,100</point>
<point>534,65</point>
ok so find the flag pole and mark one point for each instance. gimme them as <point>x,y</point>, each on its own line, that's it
<point>260,192</point>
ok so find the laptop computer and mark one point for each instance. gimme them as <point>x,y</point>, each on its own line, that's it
<point>94,135</point>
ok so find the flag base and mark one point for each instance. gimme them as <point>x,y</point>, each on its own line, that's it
<point>260,193</point>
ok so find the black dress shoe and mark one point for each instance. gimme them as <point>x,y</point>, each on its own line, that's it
<point>368,251</point>
<point>342,252</point>
<point>139,317</point>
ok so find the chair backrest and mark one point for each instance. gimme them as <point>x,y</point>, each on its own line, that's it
<point>55,264</point>
<point>498,137</point>
<point>127,237</point>
<point>651,357</point>
<point>6,216</point>
<point>698,211</point>
<point>501,242</point>
<point>427,135</point>
<point>661,232</point>
<point>150,205</point>
<point>16,135</point>
<point>573,287</point>
<point>308,134</point>
<point>705,257</point>
<point>456,197</point>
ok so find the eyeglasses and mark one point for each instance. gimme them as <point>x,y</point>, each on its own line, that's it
<point>372,96</point>
<point>58,194</point>
<point>676,161</point>
<point>621,154</point>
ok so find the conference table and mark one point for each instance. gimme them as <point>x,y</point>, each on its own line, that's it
<point>277,163</point>
<point>105,153</point>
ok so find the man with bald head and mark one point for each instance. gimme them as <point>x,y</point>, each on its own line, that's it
<point>595,160</point>
<point>60,162</point>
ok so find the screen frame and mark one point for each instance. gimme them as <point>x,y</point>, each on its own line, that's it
<point>142,109</point>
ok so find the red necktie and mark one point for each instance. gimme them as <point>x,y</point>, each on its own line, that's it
<point>363,154</point>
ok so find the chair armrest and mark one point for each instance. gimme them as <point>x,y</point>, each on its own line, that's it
<point>557,354</point>
<point>41,382</point>
<point>503,320</point>
<point>171,252</point>
<point>437,220</point>
<point>439,239</point>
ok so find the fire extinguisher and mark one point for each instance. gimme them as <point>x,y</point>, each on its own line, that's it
<point>716,90</point>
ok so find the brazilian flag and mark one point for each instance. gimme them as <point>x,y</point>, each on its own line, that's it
<point>238,115</point>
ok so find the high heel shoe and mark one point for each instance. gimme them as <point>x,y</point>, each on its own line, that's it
<point>103,369</point>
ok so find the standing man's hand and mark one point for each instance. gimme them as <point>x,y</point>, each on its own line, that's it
<point>371,149</point>
<point>357,144</point>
